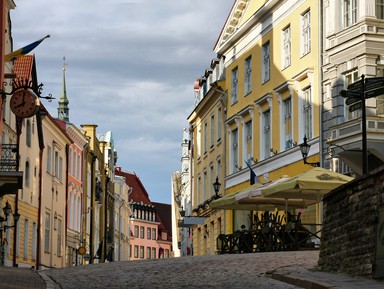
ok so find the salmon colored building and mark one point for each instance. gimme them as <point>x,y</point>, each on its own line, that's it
<point>149,237</point>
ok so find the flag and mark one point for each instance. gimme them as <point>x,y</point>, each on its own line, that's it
<point>253,178</point>
<point>22,51</point>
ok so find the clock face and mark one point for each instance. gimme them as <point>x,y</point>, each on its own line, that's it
<point>24,103</point>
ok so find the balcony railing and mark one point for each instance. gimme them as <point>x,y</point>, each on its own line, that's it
<point>9,159</point>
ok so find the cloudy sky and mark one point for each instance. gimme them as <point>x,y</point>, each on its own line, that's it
<point>131,68</point>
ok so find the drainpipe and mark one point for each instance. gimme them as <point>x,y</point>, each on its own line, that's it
<point>91,253</point>
<point>15,237</point>
<point>66,201</point>
<point>41,151</point>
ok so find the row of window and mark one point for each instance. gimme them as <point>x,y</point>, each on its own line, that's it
<point>54,162</point>
<point>210,137</point>
<point>305,40</point>
<point>74,163</point>
<point>151,252</point>
<point>140,233</point>
<point>205,181</point>
<point>265,138</point>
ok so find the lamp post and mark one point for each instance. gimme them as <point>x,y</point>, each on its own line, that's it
<point>7,210</point>
<point>216,187</point>
<point>304,148</point>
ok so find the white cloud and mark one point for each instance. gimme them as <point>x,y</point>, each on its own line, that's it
<point>132,64</point>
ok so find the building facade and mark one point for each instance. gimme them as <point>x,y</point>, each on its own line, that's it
<point>352,47</point>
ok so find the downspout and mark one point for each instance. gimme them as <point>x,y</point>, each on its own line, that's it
<point>92,207</point>
<point>15,237</point>
<point>41,153</point>
<point>66,198</point>
<point>320,61</point>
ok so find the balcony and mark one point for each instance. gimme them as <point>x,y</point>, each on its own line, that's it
<point>345,142</point>
<point>10,178</point>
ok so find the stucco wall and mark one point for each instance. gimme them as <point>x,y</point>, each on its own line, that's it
<point>350,221</point>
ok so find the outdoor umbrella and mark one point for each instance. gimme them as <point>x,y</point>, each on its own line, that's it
<point>250,198</point>
<point>311,185</point>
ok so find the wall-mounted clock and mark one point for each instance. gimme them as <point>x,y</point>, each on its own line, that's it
<point>24,103</point>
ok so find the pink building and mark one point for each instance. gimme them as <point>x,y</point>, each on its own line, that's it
<point>149,237</point>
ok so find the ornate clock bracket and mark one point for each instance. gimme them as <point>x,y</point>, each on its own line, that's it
<point>19,83</point>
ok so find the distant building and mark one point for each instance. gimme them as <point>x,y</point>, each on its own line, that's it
<point>148,235</point>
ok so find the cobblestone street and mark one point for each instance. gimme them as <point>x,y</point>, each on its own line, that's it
<point>221,271</point>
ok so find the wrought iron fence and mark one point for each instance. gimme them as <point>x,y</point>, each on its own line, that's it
<point>9,159</point>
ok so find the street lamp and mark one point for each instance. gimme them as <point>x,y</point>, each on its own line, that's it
<point>304,148</point>
<point>216,187</point>
<point>7,210</point>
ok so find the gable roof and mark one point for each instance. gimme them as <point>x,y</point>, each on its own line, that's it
<point>138,193</point>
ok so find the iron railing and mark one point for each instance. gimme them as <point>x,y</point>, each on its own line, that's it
<point>9,161</point>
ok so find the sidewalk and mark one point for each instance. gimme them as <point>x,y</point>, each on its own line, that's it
<point>311,279</point>
<point>20,278</point>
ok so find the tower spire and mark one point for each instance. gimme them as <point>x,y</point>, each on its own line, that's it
<point>63,109</point>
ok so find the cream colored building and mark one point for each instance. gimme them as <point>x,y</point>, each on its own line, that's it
<point>122,219</point>
<point>52,233</point>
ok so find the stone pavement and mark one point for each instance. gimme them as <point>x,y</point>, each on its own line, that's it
<point>275,270</point>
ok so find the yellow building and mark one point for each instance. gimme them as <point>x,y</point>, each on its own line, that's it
<point>272,73</point>
<point>207,156</point>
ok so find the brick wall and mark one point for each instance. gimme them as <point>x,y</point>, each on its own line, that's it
<point>349,232</point>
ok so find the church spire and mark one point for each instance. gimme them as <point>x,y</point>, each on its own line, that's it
<point>63,109</point>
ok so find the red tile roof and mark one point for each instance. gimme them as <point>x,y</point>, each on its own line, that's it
<point>22,66</point>
<point>139,193</point>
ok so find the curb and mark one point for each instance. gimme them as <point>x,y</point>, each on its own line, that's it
<point>303,283</point>
<point>49,283</point>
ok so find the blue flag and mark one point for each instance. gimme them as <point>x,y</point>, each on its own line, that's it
<point>253,178</point>
<point>24,50</point>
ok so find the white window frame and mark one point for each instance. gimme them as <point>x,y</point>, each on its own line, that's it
<point>308,112</point>
<point>234,150</point>
<point>351,77</point>
<point>266,57</point>
<point>235,85</point>
<point>349,12</point>
<point>306,33</point>
<point>266,133</point>
<point>248,75</point>
<point>380,9</point>
<point>248,137</point>
<point>287,121</point>
<point>286,47</point>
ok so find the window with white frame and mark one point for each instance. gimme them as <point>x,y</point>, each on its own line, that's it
<point>350,12</point>
<point>59,237</point>
<point>306,33</point>
<point>286,47</point>
<point>234,88</point>
<point>154,237</point>
<point>49,159</point>
<point>136,251</point>
<point>380,9</point>
<point>47,232</point>
<point>56,164</point>
<point>212,179</point>
<point>218,168</point>
<point>349,78</point>
<point>26,238</point>
<point>267,133</point>
<point>234,150</point>
<point>248,141</point>
<point>219,123</point>
<point>287,114</point>
<point>248,75</point>
<point>266,62</point>
<point>205,137</point>
<point>307,112</point>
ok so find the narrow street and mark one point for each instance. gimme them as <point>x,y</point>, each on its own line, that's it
<point>220,271</point>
